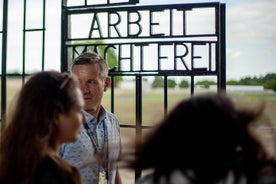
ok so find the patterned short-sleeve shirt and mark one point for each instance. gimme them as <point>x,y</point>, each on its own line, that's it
<point>81,153</point>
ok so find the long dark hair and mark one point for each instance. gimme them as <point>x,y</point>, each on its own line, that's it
<point>205,134</point>
<point>30,128</point>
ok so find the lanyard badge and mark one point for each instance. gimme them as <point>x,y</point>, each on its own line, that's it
<point>102,177</point>
<point>101,156</point>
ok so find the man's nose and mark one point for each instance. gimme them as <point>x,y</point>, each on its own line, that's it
<point>84,88</point>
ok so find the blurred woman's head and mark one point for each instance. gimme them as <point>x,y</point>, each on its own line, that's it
<point>202,132</point>
<point>43,99</point>
<point>47,113</point>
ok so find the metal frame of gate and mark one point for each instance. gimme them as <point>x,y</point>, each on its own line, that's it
<point>69,50</point>
<point>25,30</point>
<point>3,33</point>
<point>72,48</point>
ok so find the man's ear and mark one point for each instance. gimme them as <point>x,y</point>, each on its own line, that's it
<point>56,118</point>
<point>107,83</point>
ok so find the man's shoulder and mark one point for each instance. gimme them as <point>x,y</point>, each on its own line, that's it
<point>110,114</point>
<point>111,117</point>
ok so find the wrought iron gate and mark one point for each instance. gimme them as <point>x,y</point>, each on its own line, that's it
<point>129,31</point>
<point>148,41</point>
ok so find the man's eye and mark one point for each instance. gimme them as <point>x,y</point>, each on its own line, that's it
<point>91,82</point>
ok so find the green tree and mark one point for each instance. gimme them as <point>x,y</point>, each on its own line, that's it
<point>274,86</point>
<point>184,84</point>
<point>268,81</point>
<point>171,83</point>
<point>232,82</point>
<point>158,82</point>
<point>205,83</point>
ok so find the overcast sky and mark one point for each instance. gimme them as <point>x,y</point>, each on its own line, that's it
<point>250,35</point>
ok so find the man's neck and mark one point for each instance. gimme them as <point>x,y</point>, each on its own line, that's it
<point>95,113</point>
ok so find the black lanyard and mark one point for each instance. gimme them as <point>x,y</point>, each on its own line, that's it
<point>93,136</point>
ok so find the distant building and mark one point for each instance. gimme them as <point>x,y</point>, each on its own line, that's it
<point>244,89</point>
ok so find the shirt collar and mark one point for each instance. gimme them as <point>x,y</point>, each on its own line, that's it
<point>89,117</point>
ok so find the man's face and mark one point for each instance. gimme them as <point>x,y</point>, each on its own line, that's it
<point>91,85</point>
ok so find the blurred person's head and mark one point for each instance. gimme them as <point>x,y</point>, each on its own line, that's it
<point>48,112</point>
<point>49,106</point>
<point>206,134</point>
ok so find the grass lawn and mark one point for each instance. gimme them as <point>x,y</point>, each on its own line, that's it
<point>153,104</point>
